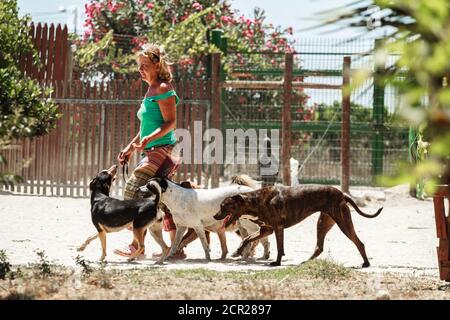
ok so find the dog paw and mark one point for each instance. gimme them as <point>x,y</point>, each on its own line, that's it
<point>365,265</point>
<point>159,262</point>
<point>235,254</point>
<point>275,264</point>
<point>249,259</point>
<point>81,248</point>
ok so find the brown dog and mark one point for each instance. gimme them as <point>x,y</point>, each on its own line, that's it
<point>277,208</point>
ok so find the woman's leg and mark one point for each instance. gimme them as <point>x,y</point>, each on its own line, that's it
<point>158,162</point>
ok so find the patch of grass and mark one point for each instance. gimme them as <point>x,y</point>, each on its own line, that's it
<point>199,273</point>
<point>321,269</point>
<point>326,269</point>
<point>5,266</point>
<point>86,269</point>
<point>101,277</point>
<point>20,296</point>
<point>16,274</point>
<point>43,264</point>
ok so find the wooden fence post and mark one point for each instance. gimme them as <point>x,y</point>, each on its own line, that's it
<point>378,117</point>
<point>345,138</point>
<point>216,110</point>
<point>442,231</point>
<point>286,119</point>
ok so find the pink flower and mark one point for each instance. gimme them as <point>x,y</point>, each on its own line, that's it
<point>309,115</point>
<point>141,15</point>
<point>226,19</point>
<point>186,61</point>
<point>113,8</point>
<point>98,7</point>
<point>150,5</point>
<point>87,34</point>
<point>197,6</point>
<point>89,10</point>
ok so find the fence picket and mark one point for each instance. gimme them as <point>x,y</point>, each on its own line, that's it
<point>50,54</point>
<point>64,161</point>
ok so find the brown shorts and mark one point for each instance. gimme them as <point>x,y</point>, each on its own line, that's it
<point>168,224</point>
<point>160,162</point>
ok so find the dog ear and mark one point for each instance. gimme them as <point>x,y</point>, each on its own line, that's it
<point>277,203</point>
<point>241,198</point>
<point>187,184</point>
<point>153,187</point>
<point>163,184</point>
<point>91,184</point>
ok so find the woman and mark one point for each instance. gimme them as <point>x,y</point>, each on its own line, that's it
<point>156,138</point>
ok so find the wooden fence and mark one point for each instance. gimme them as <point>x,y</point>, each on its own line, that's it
<point>53,50</point>
<point>97,121</point>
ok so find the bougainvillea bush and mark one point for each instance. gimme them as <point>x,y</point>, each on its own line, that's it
<point>115,30</point>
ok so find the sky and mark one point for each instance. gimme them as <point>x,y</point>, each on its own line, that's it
<point>298,14</point>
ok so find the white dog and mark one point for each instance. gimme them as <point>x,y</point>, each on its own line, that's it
<point>192,208</point>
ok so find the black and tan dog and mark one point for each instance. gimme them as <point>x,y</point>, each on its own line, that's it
<point>112,215</point>
<point>277,208</point>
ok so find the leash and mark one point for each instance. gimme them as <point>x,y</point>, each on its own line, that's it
<point>125,171</point>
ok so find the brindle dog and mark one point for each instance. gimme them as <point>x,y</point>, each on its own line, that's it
<point>277,208</point>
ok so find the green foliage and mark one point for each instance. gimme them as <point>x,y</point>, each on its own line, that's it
<point>85,267</point>
<point>7,178</point>
<point>14,38</point>
<point>116,30</point>
<point>43,265</point>
<point>25,110</point>
<point>421,75</point>
<point>5,266</point>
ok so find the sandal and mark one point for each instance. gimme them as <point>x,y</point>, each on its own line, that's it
<point>127,252</point>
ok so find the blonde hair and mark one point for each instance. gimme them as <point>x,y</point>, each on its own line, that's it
<point>156,53</point>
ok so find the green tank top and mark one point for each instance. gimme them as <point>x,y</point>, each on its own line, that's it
<point>151,118</point>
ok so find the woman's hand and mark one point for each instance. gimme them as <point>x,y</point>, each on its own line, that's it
<point>124,155</point>
<point>142,143</point>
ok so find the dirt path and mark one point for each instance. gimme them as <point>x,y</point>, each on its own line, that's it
<point>401,239</point>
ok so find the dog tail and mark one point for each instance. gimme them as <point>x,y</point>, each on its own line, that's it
<point>244,180</point>
<point>349,200</point>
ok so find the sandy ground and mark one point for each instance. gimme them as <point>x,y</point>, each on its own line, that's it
<point>402,239</point>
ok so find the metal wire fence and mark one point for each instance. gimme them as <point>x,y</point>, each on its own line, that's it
<point>377,140</point>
